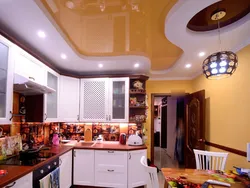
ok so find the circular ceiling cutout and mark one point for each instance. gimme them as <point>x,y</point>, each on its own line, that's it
<point>234,10</point>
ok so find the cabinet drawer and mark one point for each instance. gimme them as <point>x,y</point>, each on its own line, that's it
<point>111,176</point>
<point>110,157</point>
<point>25,181</point>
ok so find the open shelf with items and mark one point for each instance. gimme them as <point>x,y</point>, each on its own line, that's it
<point>137,100</point>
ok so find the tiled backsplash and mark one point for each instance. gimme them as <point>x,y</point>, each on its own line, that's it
<point>41,133</point>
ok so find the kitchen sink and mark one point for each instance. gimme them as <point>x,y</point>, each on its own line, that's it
<point>88,144</point>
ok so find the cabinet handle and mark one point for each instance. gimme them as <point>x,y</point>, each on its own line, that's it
<point>41,171</point>
<point>8,186</point>
<point>31,78</point>
<point>45,116</point>
<point>60,162</point>
<point>111,152</point>
<point>74,153</point>
<point>78,117</point>
<point>109,117</point>
<point>110,170</point>
<point>129,156</point>
<point>48,166</point>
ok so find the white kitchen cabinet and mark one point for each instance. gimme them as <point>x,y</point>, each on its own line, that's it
<point>6,79</point>
<point>29,67</point>
<point>104,100</point>
<point>25,181</point>
<point>94,100</point>
<point>51,100</point>
<point>111,168</point>
<point>69,99</point>
<point>66,170</point>
<point>119,99</point>
<point>136,173</point>
<point>83,173</point>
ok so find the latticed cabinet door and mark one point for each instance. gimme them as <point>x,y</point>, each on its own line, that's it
<point>94,100</point>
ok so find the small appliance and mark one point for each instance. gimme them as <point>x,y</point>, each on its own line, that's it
<point>134,140</point>
<point>122,139</point>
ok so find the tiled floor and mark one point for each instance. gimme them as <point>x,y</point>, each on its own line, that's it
<point>163,160</point>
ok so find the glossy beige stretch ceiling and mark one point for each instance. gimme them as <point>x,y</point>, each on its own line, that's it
<point>117,27</point>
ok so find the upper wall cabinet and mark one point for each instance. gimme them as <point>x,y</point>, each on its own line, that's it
<point>6,79</point>
<point>51,101</point>
<point>69,99</point>
<point>29,67</point>
<point>104,99</point>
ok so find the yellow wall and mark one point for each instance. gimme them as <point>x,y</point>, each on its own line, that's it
<point>228,109</point>
<point>162,87</point>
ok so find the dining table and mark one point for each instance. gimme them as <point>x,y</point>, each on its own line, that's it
<point>195,178</point>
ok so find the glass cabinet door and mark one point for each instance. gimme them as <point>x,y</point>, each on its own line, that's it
<point>119,106</point>
<point>52,99</point>
<point>4,52</point>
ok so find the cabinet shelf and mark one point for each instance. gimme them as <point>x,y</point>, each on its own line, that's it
<point>137,107</point>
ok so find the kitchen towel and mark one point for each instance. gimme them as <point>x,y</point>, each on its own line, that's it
<point>55,179</point>
<point>45,182</point>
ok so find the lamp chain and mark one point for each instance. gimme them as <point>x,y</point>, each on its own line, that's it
<point>217,17</point>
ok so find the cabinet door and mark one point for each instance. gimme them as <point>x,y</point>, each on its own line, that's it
<point>111,168</point>
<point>6,80</point>
<point>66,170</point>
<point>51,100</point>
<point>29,67</point>
<point>83,173</point>
<point>25,181</point>
<point>119,99</point>
<point>94,100</point>
<point>136,173</point>
<point>69,99</point>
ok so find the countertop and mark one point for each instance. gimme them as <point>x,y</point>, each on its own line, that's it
<point>16,172</point>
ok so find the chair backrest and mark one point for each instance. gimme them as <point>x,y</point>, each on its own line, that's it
<point>152,174</point>
<point>207,160</point>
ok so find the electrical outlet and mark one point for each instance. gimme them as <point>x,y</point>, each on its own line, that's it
<point>248,152</point>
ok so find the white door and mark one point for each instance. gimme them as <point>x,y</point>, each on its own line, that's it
<point>51,100</point>
<point>118,99</point>
<point>66,170</point>
<point>25,181</point>
<point>94,100</point>
<point>6,80</point>
<point>83,173</point>
<point>136,173</point>
<point>69,99</point>
<point>111,168</point>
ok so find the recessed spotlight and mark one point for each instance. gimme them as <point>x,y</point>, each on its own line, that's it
<point>136,65</point>
<point>70,4</point>
<point>201,54</point>
<point>63,56</point>
<point>100,65</point>
<point>41,34</point>
<point>188,66</point>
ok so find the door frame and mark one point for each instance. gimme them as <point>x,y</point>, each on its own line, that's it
<point>153,95</point>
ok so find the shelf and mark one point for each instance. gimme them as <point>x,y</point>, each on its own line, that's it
<point>137,107</point>
<point>137,92</point>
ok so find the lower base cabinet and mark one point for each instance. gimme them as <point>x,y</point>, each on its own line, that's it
<point>108,168</point>
<point>83,173</point>
<point>66,170</point>
<point>25,181</point>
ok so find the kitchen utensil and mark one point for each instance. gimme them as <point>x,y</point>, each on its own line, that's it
<point>30,153</point>
<point>135,140</point>
<point>122,139</point>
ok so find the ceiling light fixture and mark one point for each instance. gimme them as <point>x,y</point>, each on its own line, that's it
<point>136,65</point>
<point>63,56</point>
<point>188,66</point>
<point>100,65</point>
<point>41,34</point>
<point>221,64</point>
<point>201,54</point>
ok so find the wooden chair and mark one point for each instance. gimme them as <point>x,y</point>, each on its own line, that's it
<point>152,174</point>
<point>207,160</point>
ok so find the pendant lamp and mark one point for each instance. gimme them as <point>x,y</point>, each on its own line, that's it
<point>221,64</point>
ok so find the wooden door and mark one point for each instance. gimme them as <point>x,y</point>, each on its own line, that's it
<point>194,126</point>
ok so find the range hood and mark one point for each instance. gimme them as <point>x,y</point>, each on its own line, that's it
<point>29,87</point>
